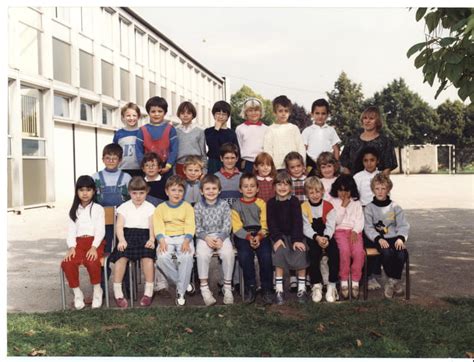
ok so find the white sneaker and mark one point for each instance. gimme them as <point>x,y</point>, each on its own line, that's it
<point>228,296</point>
<point>397,287</point>
<point>331,294</point>
<point>97,298</point>
<point>317,293</point>
<point>207,297</point>
<point>323,266</point>
<point>79,300</point>
<point>388,289</point>
<point>180,301</point>
<point>373,284</point>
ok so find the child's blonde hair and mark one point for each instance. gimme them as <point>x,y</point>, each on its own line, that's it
<point>252,103</point>
<point>130,105</point>
<point>327,158</point>
<point>193,160</point>
<point>313,183</point>
<point>382,179</point>
<point>376,112</point>
<point>264,158</point>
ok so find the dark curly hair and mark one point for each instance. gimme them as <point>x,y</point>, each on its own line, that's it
<point>345,183</point>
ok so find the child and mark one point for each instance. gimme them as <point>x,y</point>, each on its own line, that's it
<point>158,136</point>
<point>348,235</point>
<point>191,138</point>
<point>126,138</point>
<point>265,170</point>
<point>294,164</point>
<point>285,224</point>
<point>251,133</point>
<point>174,226</point>
<point>319,223</point>
<point>370,160</point>
<point>136,240</point>
<point>193,169</point>
<point>327,169</point>
<point>85,241</point>
<point>386,226</point>
<point>229,175</point>
<point>320,137</point>
<point>218,135</point>
<point>249,224</point>
<point>282,137</point>
<point>213,226</point>
<point>151,166</point>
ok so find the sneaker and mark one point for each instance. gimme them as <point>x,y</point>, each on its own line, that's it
<point>331,294</point>
<point>397,287</point>
<point>79,303</point>
<point>373,284</point>
<point>228,296</point>
<point>355,291</point>
<point>97,299</point>
<point>388,289</point>
<point>121,302</point>
<point>190,290</point>
<point>207,297</point>
<point>165,293</point>
<point>301,296</point>
<point>316,293</point>
<point>268,296</point>
<point>345,292</point>
<point>279,298</point>
<point>145,301</point>
<point>251,295</point>
<point>180,301</point>
<point>293,285</point>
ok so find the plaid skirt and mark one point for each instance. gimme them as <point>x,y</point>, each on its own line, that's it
<point>136,240</point>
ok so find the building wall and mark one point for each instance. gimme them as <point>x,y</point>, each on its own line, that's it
<point>79,66</point>
<point>418,159</point>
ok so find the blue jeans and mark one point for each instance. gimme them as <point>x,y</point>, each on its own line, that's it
<point>246,256</point>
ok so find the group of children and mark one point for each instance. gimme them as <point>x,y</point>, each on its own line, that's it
<point>268,192</point>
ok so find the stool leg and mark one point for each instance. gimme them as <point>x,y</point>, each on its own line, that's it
<point>63,288</point>
<point>106,282</point>
<point>366,279</point>
<point>407,278</point>
<point>130,278</point>
<point>137,271</point>
<point>242,285</point>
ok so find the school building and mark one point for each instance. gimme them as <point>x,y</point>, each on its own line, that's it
<point>69,72</point>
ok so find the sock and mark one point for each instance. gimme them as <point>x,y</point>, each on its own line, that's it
<point>97,290</point>
<point>148,289</point>
<point>344,283</point>
<point>279,284</point>
<point>293,279</point>
<point>301,284</point>
<point>227,284</point>
<point>78,293</point>
<point>204,285</point>
<point>355,284</point>
<point>118,293</point>
<point>332,285</point>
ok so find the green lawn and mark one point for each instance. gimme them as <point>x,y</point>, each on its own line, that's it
<point>358,329</point>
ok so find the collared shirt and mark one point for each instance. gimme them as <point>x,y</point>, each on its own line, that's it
<point>319,139</point>
<point>90,221</point>
<point>258,123</point>
<point>226,174</point>
<point>297,188</point>
<point>186,129</point>
<point>267,178</point>
<point>136,217</point>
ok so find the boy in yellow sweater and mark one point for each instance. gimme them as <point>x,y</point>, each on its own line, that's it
<point>173,222</point>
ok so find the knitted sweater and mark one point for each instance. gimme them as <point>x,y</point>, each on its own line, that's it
<point>350,217</point>
<point>126,139</point>
<point>313,212</point>
<point>156,132</point>
<point>174,220</point>
<point>284,218</point>
<point>250,139</point>
<point>191,142</point>
<point>385,219</point>
<point>282,139</point>
<point>192,192</point>
<point>212,219</point>
<point>249,213</point>
<point>216,138</point>
<point>230,187</point>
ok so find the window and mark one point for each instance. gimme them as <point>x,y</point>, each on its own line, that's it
<point>62,13</point>
<point>86,63</point>
<point>29,49</point>
<point>151,54</point>
<point>33,147</point>
<point>152,89</point>
<point>139,46</point>
<point>124,49</point>
<point>61,106</point>
<point>107,24</point>
<point>203,115</point>
<point>163,92</point>
<point>61,61</point>
<point>107,78</point>
<point>87,20</point>
<point>86,111</point>
<point>139,89</point>
<point>124,85</point>
<point>32,143</point>
<point>174,107</point>
<point>107,115</point>
<point>163,61</point>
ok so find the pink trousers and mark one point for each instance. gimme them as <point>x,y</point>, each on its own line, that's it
<point>348,250</point>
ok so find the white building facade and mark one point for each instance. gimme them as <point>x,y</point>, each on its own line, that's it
<point>70,71</point>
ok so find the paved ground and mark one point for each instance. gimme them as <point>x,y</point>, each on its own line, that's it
<point>440,209</point>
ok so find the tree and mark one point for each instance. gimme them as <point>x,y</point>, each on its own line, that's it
<point>456,126</point>
<point>449,58</point>
<point>408,119</point>
<point>346,103</point>
<point>300,117</point>
<point>237,100</point>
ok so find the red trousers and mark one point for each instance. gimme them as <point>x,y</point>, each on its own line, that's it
<point>71,267</point>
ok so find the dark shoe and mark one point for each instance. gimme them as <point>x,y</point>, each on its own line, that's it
<point>164,293</point>
<point>293,286</point>
<point>301,296</point>
<point>236,288</point>
<point>268,296</point>
<point>191,289</point>
<point>121,302</point>
<point>279,298</point>
<point>146,301</point>
<point>251,295</point>
<point>219,289</point>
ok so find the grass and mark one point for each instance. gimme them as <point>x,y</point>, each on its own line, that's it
<point>358,329</point>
